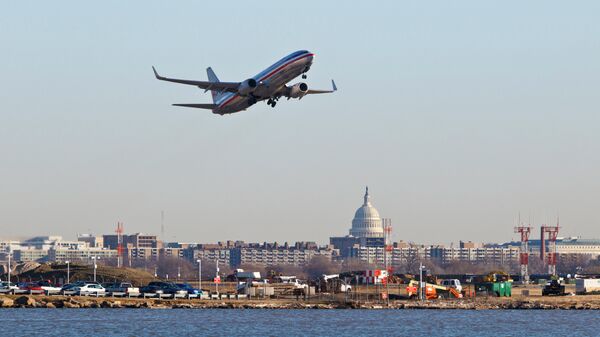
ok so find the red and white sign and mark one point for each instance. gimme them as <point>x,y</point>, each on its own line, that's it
<point>217,279</point>
<point>375,276</point>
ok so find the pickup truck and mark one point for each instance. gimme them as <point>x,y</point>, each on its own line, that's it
<point>125,288</point>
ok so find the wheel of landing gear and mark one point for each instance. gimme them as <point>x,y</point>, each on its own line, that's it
<point>273,104</point>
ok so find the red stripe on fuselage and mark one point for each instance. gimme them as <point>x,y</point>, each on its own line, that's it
<point>268,75</point>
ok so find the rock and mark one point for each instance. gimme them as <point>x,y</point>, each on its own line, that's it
<point>106,304</point>
<point>6,302</point>
<point>25,301</point>
<point>68,304</point>
<point>50,305</point>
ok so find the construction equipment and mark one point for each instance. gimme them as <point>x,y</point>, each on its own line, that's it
<point>497,276</point>
<point>432,291</point>
<point>553,288</point>
<point>333,283</point>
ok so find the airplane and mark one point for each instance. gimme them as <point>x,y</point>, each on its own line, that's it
<point>269,85</point>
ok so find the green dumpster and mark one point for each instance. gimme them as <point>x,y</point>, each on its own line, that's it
<point>501,289</point>
<point>507,289</point>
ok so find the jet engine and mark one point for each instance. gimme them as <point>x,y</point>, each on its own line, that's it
<point>247,87</point>
<point>298,90</point>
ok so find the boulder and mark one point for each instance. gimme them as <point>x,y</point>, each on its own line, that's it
<point>68,304</point>
<point>25,301</point>
<point>6,302</point>
<point>50,305</point>
<point>106,304</point>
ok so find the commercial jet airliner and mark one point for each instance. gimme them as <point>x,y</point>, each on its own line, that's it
<point>269,85</point>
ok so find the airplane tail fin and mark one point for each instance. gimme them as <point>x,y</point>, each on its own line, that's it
<point>212,77</point>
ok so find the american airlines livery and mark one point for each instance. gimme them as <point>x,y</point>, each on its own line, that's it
<point>270,85</point>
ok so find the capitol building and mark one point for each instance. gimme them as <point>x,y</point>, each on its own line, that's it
<point>367,229</point>
<point>366,222</point>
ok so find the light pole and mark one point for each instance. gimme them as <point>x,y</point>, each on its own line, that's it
<point>178,273</point>
<point>9,253</point>
<point>199,274</point>
<point>95,258</point>
<point>155,271</point>
<point>421,267</point>
<point>68,272</point>
<point>217,279</point>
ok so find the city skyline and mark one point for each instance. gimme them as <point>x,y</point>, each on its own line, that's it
<point>457,115</point>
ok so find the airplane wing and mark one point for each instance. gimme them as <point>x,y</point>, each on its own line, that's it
<point>206,85</point>
<point>333,89</point>
<point>199,106</point>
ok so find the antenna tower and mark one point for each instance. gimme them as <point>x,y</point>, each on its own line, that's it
<point>162,225</point>
<point>387,230</point>
<point>524,251</point>
<point>119,244</point>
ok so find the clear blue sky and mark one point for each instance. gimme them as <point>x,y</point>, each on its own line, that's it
<point>457,114</point>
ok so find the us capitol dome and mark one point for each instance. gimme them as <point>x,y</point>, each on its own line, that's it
<point>366,222</point>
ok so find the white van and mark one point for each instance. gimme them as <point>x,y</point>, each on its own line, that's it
<point>452,283</point>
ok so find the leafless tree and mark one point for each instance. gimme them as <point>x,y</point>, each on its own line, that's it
<point>320,265</point>
<point>354,264</point>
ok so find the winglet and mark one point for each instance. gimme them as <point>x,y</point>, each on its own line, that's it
<point>333,85</point>
<point>155,73</point>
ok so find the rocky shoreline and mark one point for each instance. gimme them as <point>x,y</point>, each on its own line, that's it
<point>568,303</point>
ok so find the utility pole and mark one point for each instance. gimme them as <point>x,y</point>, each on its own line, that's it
<point>199,274</point>
<point>68,272</point>
<point>9,254</point>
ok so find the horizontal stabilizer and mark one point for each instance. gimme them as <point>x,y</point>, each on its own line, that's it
<point>199,106</point>
<point>206,85</point>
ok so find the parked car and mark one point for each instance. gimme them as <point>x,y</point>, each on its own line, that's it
<point>32,287</point>
<point>5,285</point>
<point>159,287</point>
<point>90,289</point>
<point>190,290</point>
<point>121,287</point>
<point>48,287</point>
<point>74,285</point>
<point>151,289</point>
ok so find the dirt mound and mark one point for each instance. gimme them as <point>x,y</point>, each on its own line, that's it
<point>55,272</point>
<point>25,267</point>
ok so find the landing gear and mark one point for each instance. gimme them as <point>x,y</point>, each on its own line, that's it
<point>304,76</point>
<point>272,102</point>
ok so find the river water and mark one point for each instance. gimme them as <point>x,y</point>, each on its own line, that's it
<point>223,322</point>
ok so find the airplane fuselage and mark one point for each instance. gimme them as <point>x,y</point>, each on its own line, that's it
<point>271,82</point>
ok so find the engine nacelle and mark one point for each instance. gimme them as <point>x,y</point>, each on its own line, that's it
<point>247,87</point>
<point>298,90</point>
